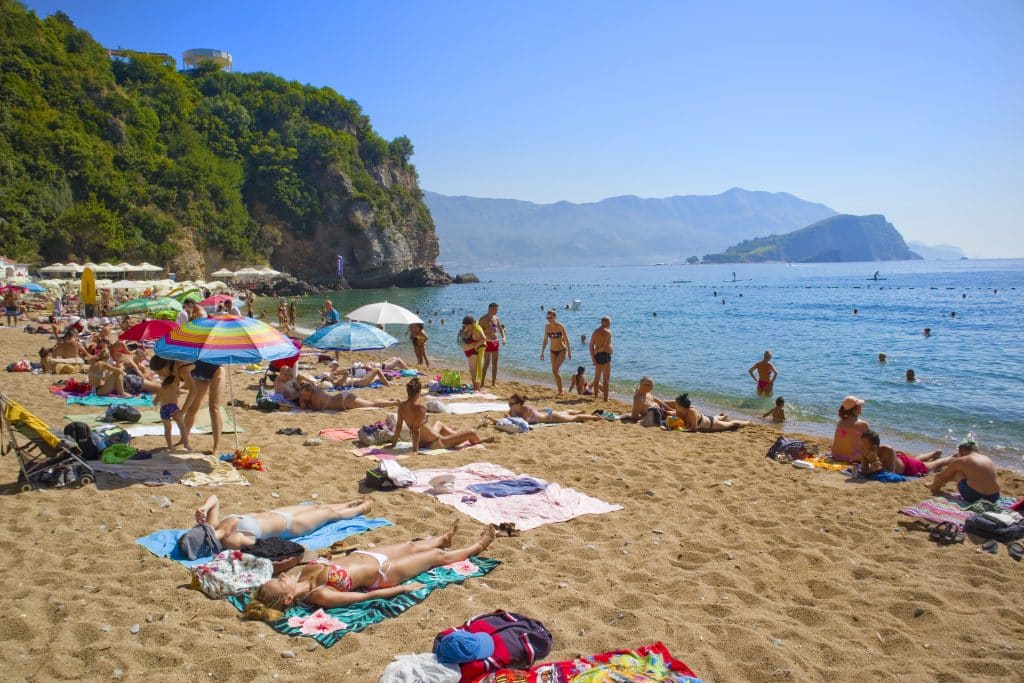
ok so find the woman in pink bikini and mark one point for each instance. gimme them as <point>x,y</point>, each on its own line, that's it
<point>360,575</point>
<point>846,441</point>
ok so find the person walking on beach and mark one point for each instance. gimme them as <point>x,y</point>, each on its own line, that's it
<point>554,332</point>
<point>601,355</point>
<point>471,337</point>
<point>248,303</point>
<point>419,343</point>
<point>494,333</point>
<point>291,314</point>
<point>766,374</point>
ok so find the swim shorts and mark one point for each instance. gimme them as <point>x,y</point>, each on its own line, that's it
<point>912,467</point>
<point>972,496</point>
<point>132,384</point>
<point>492,345</point>
<point>168,410</point>
<point>763,384</point>
<point>602,358</point>
<point>469,352</point>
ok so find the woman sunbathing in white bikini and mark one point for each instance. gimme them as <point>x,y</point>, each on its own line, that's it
<point>361,575</point>
<point>236,532</point>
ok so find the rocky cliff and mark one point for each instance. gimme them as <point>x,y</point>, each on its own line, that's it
<point>119,159</point>
<point>836,239</point>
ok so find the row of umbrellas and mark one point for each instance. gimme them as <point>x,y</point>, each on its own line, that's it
<point>101,268</point>
<point>249,272</point>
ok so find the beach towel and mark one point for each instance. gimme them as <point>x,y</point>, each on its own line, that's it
<point>328,626</point>
<point>555,504</point>
<point>646,664</point>
<point>477,395</point>
<point>94,400</point>
<point>150,425</point>
<point>952,508</point>
<point>165,543</point>
<point>339,434</point>
<point>886,477</point>
<point>508,487</point>
<point>404,448</point>
<point>825,464</point>
<point>468,407</point>
<point>190,469</point>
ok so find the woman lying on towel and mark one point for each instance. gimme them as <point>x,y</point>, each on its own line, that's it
<point>698,422</point>
<point>237,532</point>
<point>518,407</point>
<point>439,435</point>
<point>343,378</point>
<point>361,575</point>
<point>314,398</point>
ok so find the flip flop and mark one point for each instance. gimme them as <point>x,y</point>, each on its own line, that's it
<point>1016,550</point>
<point>990,546</point>
<point>946,533</point>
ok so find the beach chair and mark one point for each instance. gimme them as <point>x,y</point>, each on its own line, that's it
<point>43,456</point>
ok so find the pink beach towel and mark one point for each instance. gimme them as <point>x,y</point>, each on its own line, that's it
<point>339,434</point>
<point>947,509</point>
<point>554,504</point>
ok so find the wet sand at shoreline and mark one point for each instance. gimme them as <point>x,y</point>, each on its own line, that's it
<point>746,569</point>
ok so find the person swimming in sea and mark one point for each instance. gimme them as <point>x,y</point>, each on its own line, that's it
<point>778,413</point>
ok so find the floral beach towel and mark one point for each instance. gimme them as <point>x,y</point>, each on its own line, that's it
<point>646,664</point>
<point>328,626</point>
<point>952,508</point>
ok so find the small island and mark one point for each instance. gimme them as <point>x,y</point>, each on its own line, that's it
<point>841,238</point>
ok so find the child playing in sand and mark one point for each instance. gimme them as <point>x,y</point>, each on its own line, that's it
<point>778,413</point>
<point>579,383</point>
<point>168,397</point>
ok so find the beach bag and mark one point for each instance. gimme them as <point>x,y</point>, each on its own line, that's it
<point>512,425</point>
<point>107,435</point>
<point>655,417</point>
<point>794,448</point>
<point>81,434</point>
<point>376,434</point>
<point>1003,527</point>
<point>451,379</point>
<point>232,572</point>
<point>519,642</point>
<point>121,412</point>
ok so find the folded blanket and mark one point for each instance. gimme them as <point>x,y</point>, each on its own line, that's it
<point>94,400</point>
<point>508,487</point>
<point>952,508</point>
<point>554,504</point>
<point>649,663</point>
<point>404,448</point>
<point>165,543</point>
<point>190,469</point>
<point>328,626</point>
<point>339,434</point>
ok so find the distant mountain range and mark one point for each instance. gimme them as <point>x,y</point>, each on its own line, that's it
<point>839,238</point>
<point>478,233</point>
<point>936,252</point>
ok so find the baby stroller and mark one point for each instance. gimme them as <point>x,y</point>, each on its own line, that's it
<point>44,457</point>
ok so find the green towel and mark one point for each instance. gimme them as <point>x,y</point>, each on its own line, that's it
<point>118,453</point>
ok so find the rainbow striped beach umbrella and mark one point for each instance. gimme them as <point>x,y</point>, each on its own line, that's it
<point>225,340</point>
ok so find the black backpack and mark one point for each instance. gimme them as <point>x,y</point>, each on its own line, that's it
<point>986,527</point>
<point>81,434</point>
<point>377,480</point>
<point>123,412</point>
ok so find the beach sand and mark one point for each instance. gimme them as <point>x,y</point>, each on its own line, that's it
<point>746,569</point>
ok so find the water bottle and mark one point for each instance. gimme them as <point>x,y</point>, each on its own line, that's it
<point>166,477</point>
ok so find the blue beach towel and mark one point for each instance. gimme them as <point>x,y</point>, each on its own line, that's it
<point>887,477</point>
<point>94,400</point>
<point>330,625</point>
<point>165,543</point>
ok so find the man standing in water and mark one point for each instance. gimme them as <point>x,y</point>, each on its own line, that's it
<point>766,374</point>
<point>601,355</point>
<point>494,333</point>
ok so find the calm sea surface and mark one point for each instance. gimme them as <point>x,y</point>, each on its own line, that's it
<point>709,329</point>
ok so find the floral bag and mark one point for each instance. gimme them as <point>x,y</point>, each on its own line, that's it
<point>232,572</point>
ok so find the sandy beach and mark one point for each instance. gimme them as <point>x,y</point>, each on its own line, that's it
<point>746,569</point>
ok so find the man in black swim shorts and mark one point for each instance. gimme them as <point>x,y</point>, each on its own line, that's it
<point>601,355</point>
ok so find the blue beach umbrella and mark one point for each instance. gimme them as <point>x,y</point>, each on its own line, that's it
<point>33,287</point>
<point>350,336</point>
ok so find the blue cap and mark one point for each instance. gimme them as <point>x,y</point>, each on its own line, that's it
<point>462,646</point>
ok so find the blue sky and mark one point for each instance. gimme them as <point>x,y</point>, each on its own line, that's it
<point>911,109</point>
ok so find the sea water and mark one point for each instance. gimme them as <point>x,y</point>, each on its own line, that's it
<point>713,322</point>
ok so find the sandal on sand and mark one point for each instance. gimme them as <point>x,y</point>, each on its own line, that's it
<point>1016,550</point>
<point>946,533</point>
<point>990,546</point>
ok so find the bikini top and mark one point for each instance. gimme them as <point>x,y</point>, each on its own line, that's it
<point>554,335</point>
<point>337,577</point>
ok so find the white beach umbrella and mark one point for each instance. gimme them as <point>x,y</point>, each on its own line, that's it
<point>55,268</point>
<point>223,272</point>
<point>129,284</point>
<point>384,313</point>
<point>147,267</point>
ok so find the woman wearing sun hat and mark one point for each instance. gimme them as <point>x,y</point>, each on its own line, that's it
<point>846,441</point>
